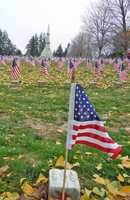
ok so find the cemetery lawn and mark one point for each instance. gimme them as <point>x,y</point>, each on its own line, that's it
<point>33,130</point>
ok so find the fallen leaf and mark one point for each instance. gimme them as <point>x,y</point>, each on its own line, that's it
<point>39,192</point>
<point>85,197</point>
<point>42,178</point>
<point>3,169</point>
<point>99,180</point>
<point>27,188</point>
<point>88,153</point>
<point>120,166</point>
<point>21,180</point>
<point>125,175</point>
<point>88,192</point>
<point>78,152</point>
<point>20,156</point>
<point>97,191</point>
<point>120,178</point>
<point>58,143</point>
<point>99,166</point>
<point>6,158</point>
<point>75,158</point>
<point>59,130</point>
<point>126,163</point>
<point>59,162</point>
<point>8,175</point>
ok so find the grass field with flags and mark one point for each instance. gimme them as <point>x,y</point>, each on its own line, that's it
<point>33,130</point>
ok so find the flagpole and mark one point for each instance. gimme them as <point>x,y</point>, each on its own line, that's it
<point>66,153</point>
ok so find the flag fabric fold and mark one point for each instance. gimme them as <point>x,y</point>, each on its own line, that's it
<point>31,61</point>
<point>122,73</point>
<point>85,126</point>
<point>15,70</point>
<point>44,70</point>
<point>97,72</point>
<point>2,61</point>
<point>102,66</point>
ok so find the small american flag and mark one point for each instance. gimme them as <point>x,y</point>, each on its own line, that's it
<point>85,126</point>
<point>97,72</point>
<point>61,63</point>
<point>89,64</point>
<point>116,64</point>
<point>122,73</point>
<point>70,69</point>
<point>31,61</point>
<point>2,61</point>
<point>15,70</point>
<point>102,66</point>
<point>128,64</point>
<point>44,70</point>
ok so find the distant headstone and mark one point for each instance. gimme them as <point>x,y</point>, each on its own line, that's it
<point>114,71</point>
<point>128,71</point>
<point>67,83</point>
<point>85,71</point>
<point>41,83</point>
<point>92,84</point>
<point>58,70</point>
<point>1,69</point>
<point>55,185</point>
<point>15,82</point>
<point>118,84</point>
<point>30,70</point>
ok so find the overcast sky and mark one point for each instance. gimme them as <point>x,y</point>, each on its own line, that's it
<point>23,18</point>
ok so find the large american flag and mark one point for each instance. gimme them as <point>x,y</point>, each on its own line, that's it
<point>15,70</point>
<point>44,70</point>
<point>70,69</point>
<point>85,126</point>
<point>97,71</point>
<point>122,73</point>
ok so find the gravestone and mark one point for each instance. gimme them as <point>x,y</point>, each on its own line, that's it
<point>67,83</point>
<point>41,83</point>
<point>85,71</point>
<point>30,70</point>
<point>15,82</point>
<point>92,84</point>
<point>1,69</point>
<point>55,185</point>
<point>118,84</point>
<point>114,71</point>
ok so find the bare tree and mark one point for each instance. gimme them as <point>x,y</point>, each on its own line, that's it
<point>96,22</point>
<point>120,24</point>
<point>78,46</point>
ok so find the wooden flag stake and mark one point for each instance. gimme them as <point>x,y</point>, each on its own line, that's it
<point>66,153</point>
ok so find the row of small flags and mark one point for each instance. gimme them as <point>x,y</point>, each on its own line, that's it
<point>73,63</point>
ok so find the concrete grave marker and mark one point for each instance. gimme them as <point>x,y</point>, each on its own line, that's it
<point>67,83</point>
<point>41,83</point>
<point>55,185</point>
<point>15,82</point>
<point>92,84</point>
<point>118,84</point>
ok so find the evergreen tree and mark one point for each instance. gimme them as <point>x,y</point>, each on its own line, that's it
<point>59,51</point>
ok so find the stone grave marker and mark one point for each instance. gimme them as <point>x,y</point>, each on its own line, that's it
<point>55,185</point>
<point>40,83</point>
<point>118,84</point>
<point>67,83</point>
<point>92,84</point>
<point>15,82</point>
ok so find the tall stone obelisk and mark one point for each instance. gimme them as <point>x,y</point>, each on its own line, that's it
<point>47,50</point>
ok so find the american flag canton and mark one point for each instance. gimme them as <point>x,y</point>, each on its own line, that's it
<point>84,110</point>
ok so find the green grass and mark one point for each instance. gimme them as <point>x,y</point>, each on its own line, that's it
<point>25,109</point>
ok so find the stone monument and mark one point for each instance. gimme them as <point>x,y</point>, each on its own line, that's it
<point>47,50</point>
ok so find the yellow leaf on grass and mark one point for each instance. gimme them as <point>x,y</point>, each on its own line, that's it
<point>27,189</point>
<point>75,158</point>
<point>59,130</point>
<point>8,175</point>
<point>124,158</point>
<point>6,158</point>
<point>97,191</point>
<point>85,197</point>
<point>120,166</point>
<point>59,162</point>
<point>58,143</point>
<point>99,180</point>
<point>99,166</point>
<point>125,175</point>
<point>126,163</point>
<point>20,156</point>
<point>120,178</point>
<point>75,164</point>
<point>88,192</point>
<point>78,152</point>
<point>88,153</point>
<point>21,180</point>
<point>42,178</point>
